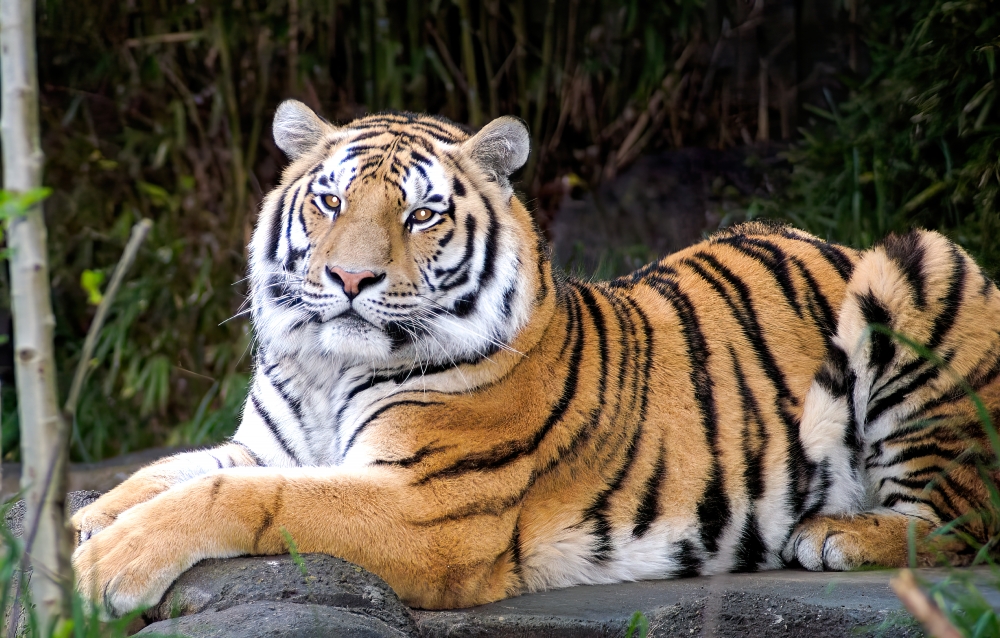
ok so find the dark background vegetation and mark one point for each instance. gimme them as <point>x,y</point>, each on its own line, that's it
<point>854,117</point>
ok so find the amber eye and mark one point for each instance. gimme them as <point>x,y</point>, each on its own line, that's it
<point>331,201</point>
<point>422,215</point>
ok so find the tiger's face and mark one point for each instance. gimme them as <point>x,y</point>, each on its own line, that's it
<point>395,240</point>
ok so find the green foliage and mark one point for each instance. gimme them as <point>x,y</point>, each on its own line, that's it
<point>638,626</point>
<point>917,143</point>
<point>16,204</point>
<point>90,281</point>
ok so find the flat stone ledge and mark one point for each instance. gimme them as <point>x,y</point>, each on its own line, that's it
<point>776,603</point>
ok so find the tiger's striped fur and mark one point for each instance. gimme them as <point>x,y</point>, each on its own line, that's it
<point>470,425</point>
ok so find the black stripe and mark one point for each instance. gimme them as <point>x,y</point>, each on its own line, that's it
<point>377,413</point>
<point>713,508</point>
<point>288,232</point>
<point>597,511</point>
<point>949,309</point>
<point>273,427</point>
<point>826,320</point>
<point>751,549</point>
<point>883,349</point>
<point>256,459</point>
<point>879,406</point>
<point>483,507</point>
<point>832,253</point>
<point>772,258</point>
<point>510,451</point>
<point>444,274</point>
<point>413,459</point>
<point>489,258</point>
<point>753,426</point>
<point>746,316</point>
<point>821,491</point>
<point>908,254</point>
<point>689,563</point>
<point>457,187</point>
<point>294,403</point>
<point>274,232</point>
<point>649,501</point>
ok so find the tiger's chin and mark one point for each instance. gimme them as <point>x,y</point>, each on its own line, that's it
<point>345,339</point>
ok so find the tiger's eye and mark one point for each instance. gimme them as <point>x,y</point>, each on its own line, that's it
<point>422,214</point>
<point>331,201</point>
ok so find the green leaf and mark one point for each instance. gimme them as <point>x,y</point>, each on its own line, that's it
<point>638,626</point>
<point>90,281</point>
<point>14,204</point>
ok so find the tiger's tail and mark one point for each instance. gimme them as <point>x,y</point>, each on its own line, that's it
<point>899,420</point>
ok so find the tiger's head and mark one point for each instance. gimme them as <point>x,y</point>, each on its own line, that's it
<point>394,240</point>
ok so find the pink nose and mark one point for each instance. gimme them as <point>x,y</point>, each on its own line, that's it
<point>353,282</point>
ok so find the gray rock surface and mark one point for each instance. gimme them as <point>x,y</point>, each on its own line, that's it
<point>780,603</point>
<point>275,620</point>
<point>213,588</point>
<point>75,500</point>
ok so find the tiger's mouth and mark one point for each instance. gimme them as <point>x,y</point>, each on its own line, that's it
<point>348,318</point>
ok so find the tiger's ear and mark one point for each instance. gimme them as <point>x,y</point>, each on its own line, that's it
<point>297,128</point>
<point>501,147</point>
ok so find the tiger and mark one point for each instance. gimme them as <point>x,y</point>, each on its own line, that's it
<point>435,402</point>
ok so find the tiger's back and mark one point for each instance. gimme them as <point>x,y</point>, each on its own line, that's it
<point>432,402</point>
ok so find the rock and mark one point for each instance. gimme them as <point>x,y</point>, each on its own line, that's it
<point>275,620</point>
<point>75,500</point>
<point>659,205</point>
<point>783,603</point>
<point>100,475</point>
<point>215,589</point>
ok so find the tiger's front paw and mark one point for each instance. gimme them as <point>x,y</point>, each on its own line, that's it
<point>129,565</point>
<point>91,519</point>
<point>842,543</point>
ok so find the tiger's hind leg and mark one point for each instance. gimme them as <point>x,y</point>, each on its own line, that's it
<point>895,438</point>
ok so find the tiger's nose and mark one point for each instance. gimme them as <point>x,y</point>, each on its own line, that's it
<point>353,282</point>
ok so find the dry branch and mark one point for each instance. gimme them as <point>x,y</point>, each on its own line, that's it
<point>921,606</point>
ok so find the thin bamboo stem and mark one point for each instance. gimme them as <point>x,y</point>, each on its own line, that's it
<point>235,132</point>
<point>521,35</point>
<point>43,431</point>
<point>469,62</point>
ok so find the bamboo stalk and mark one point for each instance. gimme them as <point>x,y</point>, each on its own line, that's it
<point>488,63</point>
<point>235,133</point>
<point>293,47</point>
<point>763,122</point>
<point>264,53</point>
<point>43,431</point>
<point>382,50</point>
<point>521,35</point>
<point>445,57</point>
<point>543,93</point>
<point>469,64</point>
